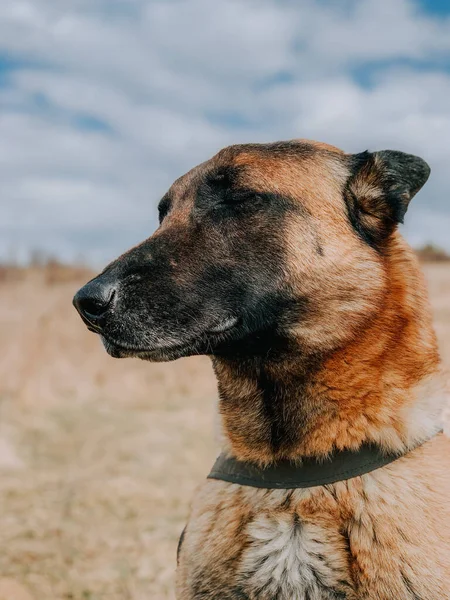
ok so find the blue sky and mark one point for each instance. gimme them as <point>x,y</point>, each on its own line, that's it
<point>104,103</point>
<point>437,7</point>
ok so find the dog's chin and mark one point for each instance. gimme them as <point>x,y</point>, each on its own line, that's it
<point>156,354</point>
<point>160,354</point>
<point>168,351</point>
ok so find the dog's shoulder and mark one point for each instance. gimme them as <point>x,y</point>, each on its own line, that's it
<point>329,542</point>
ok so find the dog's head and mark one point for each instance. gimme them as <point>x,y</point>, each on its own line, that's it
<point>260,247</point>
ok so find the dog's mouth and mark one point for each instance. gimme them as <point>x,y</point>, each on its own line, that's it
<point>164,350</point>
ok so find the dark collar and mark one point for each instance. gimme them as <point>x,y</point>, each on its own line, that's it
<point>286,475</point>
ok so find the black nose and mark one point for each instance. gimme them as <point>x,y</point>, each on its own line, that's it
<point>93,300</point>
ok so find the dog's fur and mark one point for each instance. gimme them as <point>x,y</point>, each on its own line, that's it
<point>283,262</point>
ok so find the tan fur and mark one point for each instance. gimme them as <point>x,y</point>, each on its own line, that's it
<point>381,536</point>
<point>372,373</point>
<point>371,377</point>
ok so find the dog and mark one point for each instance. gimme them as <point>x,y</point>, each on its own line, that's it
<point>283,262</point>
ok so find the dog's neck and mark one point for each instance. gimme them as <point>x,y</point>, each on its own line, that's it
<point>379,388</point>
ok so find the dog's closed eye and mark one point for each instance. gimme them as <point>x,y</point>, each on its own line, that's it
<point>164,208</point>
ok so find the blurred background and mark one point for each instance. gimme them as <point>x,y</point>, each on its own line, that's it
<point>102,104</point>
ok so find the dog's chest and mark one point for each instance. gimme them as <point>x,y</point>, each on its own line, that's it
<point>289,559</point>
<point>235,553</point>
<point>380,536</point>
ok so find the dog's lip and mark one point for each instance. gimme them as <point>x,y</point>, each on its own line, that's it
<point>222,327</point>
<point>136,351</point>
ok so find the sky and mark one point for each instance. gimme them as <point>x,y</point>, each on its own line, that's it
<point>103,103</point>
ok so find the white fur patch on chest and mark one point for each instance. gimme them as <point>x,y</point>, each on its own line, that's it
<point>288,559</point>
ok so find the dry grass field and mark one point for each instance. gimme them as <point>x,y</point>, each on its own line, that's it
<point>99,457</point>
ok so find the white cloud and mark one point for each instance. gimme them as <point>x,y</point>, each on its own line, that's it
<point>375,30</point>
<point>173,81</point>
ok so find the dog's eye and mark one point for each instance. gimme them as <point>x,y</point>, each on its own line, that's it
<point>229,195</point>
<point>161,214</point>
<point>242,197</point>
<point>163,208</point>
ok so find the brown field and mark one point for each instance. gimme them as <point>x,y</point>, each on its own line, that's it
<point>99,457</point>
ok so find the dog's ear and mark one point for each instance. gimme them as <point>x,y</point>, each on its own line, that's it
<point>379,189</point>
